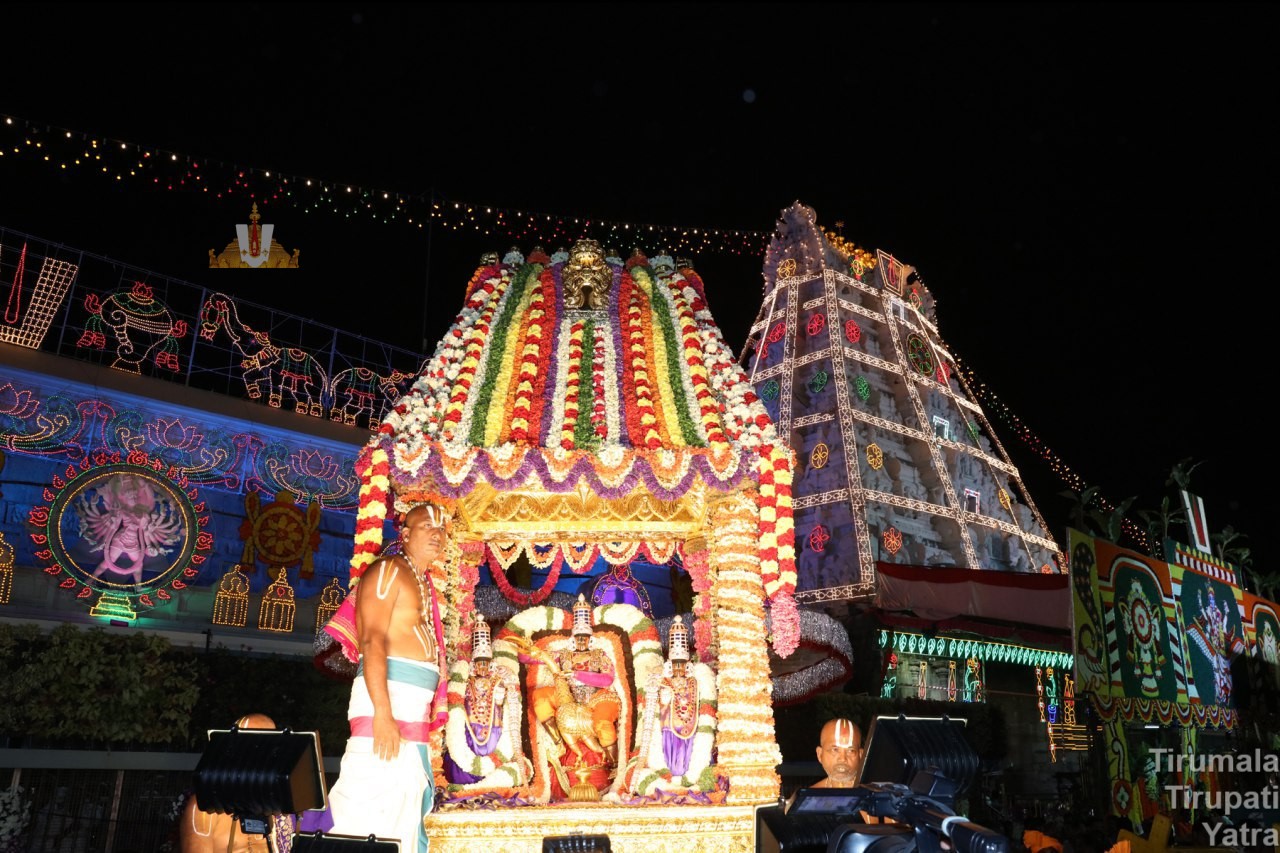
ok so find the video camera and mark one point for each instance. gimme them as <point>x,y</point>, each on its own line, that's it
<point>910,753</point>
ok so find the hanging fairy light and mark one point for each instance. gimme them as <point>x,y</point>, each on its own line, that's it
<point>66,149</point>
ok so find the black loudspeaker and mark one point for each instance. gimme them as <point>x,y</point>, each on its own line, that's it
<point>576,844</point>
<point>318,842</point>
<point>253,773</point>
<point>900,748</point>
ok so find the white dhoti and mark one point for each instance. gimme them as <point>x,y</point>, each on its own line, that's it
<point>388,798</point>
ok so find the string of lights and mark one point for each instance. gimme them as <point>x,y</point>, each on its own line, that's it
<point>118,160</point>
<point>989,402</point>
<point>115,160</point>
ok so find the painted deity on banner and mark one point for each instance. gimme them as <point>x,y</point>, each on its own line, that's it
<point>1268,644</point>
<point>127,522</point>
<point>677,722</point>
<point>482,737</point>
<point>1215,635</point>
<point>1144,652</point>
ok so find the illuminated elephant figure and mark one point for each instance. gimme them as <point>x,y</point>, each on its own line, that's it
<point>283,370</point>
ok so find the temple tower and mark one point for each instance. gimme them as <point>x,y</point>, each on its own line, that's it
<point>896,462</point>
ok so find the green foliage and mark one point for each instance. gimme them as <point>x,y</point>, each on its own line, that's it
<point>108,690</point>
<point>78,687</point>
<point>1158,523</point>
<point>798,726</point>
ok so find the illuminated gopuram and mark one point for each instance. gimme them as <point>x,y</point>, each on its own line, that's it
<point>895,461</point>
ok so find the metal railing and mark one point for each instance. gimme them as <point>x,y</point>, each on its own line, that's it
<point>88,307</point>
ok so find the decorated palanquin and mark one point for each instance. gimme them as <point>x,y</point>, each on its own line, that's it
<point>581,410</point>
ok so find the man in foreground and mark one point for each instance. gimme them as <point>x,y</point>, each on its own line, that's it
<point>385,785</point>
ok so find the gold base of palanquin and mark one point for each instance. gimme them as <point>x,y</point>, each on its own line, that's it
<point>631,829</point>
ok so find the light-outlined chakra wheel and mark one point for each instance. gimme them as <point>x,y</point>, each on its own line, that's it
<point>891,539</point>
<point>852,331</point>
<point>920,354</point>
<point>817,322</point>
<point>875,456</point>
<point>863,388</point>
<point>1006,500</point>
<point>787,268</point>
<point>818,458</point>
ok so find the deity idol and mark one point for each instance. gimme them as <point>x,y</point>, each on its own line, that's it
<point>579,709</point>
<point>483,732</point>
<point>677,721</point>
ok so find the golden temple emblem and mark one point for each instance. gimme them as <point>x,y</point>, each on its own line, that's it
<point>254,248</point>
<point>278,607</point>
<point>231,604</point>
<point>586,268</point>
<point>6,570</point>
<point>331,598</point>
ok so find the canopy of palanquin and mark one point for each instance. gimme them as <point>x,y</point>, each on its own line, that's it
<point>582,407</point>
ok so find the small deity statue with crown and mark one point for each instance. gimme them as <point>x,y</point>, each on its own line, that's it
<point>483,731</point>
<point>677,722</point>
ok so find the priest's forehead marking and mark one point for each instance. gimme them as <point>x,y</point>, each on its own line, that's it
<point>843,735</point>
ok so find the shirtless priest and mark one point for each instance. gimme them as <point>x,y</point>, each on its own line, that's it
<point>385,785</point>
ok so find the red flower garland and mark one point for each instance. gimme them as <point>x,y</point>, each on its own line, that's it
<point>519,597</point>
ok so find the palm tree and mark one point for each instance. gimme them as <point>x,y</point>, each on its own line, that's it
<point>1180,475</point>
<point>1224,542</point>
<point>1158,523</point>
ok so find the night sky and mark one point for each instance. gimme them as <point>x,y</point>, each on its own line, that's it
<point>1085,188</point>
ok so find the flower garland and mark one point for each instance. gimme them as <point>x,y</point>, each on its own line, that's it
<point>457,422</point>
<point>673,362</point>
<point>519,597</point>
<point>487,405</point>
<point>469,560</point>
<point>654,423</point>
<point>697,562</point>
<point>374,469</point>
<point>525,416</point>
<point>572,343</point>
<point>599,406</point>
<point>747,748</point>
<point>709,416</point>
